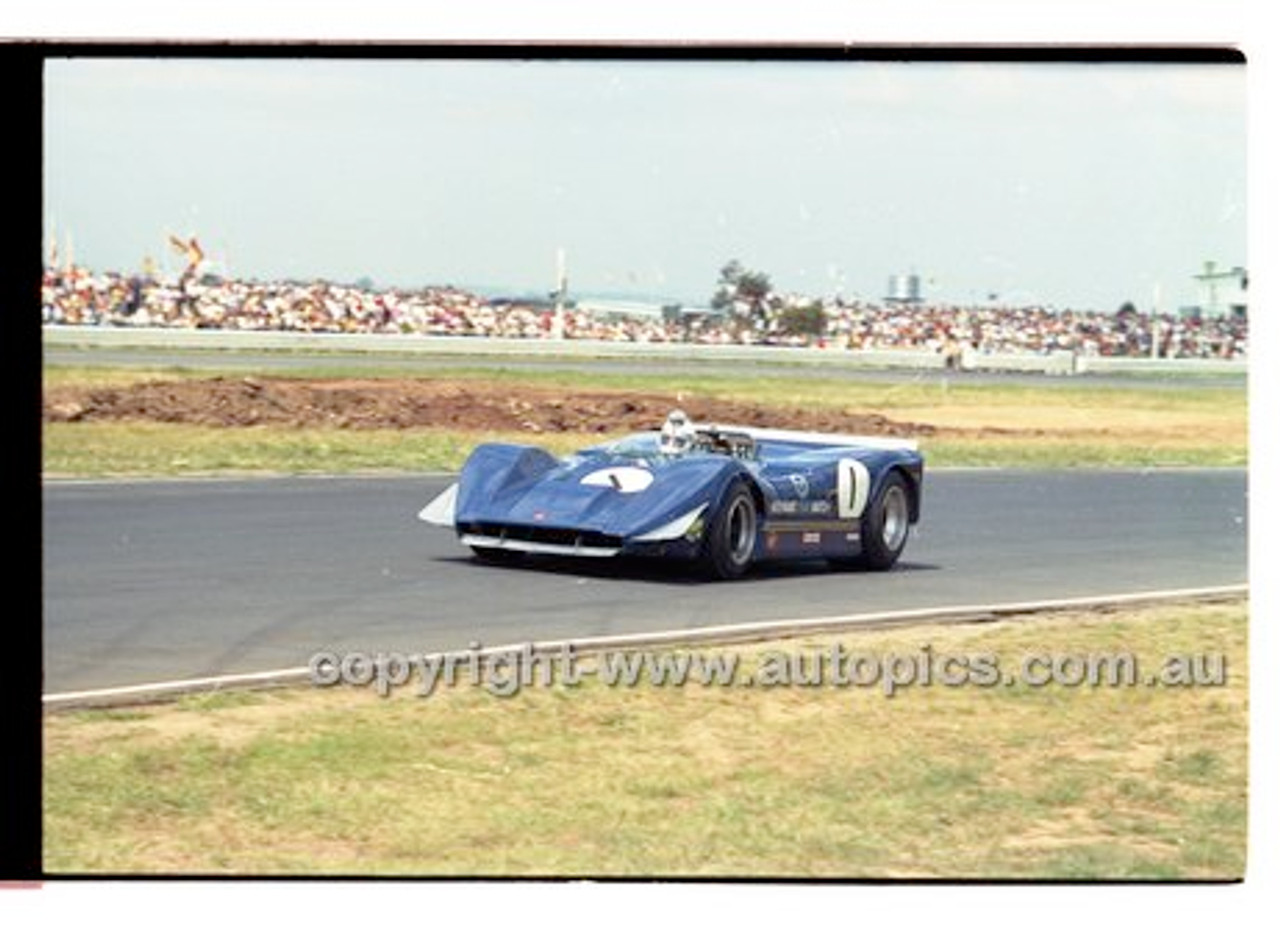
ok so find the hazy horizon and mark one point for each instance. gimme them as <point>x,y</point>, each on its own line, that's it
<point>1076,185</point>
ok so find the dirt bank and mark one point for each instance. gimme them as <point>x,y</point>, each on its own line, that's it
<point>460,405</point>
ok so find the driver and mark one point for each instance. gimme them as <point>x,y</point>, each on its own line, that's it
<point>677,434</point>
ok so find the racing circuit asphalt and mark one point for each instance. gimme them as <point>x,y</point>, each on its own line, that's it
<point>161,581</point>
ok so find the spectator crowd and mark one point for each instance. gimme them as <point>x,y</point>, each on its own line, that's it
<point>1039,330</point>
<point>75,296</point>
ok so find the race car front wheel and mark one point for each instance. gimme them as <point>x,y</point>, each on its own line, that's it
<point>731,540</point>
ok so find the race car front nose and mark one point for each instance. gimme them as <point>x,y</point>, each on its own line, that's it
<point>442,510</point>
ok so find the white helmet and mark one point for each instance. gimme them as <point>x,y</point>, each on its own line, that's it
<point>677,434</point>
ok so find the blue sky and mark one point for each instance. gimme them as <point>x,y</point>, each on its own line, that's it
<point>1076,185</point>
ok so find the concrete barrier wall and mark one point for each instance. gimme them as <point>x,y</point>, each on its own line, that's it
<point>1058,363</point>
<point>189,338</point>
<point>1135,365</point>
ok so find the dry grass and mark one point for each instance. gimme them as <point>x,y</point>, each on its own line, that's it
<point>146,448</point>
<point>979,424</point>
<point>934,782</point>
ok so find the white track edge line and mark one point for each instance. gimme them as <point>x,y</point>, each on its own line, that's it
<point>735,632</point>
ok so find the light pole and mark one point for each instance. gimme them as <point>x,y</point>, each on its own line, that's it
<point>1155,321</point>
<point>561,290</point>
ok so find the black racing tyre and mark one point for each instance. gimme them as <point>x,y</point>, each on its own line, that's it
<point>886,523</point>
<point>731,539</point>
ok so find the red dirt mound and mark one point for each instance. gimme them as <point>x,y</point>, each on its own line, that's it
<point>457,404</point>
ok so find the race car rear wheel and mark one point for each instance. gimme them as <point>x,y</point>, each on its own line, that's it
<point>886,524</point>
<point>731,540</point>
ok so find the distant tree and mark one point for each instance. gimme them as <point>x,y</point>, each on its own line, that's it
<point>803,321</point>
<point>727,287</point>
<point>743,294</point>
<point>1127,309</point>
<point>364,284</point>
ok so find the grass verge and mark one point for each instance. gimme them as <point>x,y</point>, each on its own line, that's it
<point>1013,781</point>
<point>148,449</point>
<point>145,449</point>
<point>835,391</point>
<point>983,424</point>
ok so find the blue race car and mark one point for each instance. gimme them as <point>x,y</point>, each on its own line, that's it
<point>726,496</point>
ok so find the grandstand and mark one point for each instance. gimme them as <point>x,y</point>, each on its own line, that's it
<point>75,296</point>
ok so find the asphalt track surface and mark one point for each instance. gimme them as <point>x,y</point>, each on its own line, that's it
<point>164,581</point>
<point>284,362</point>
